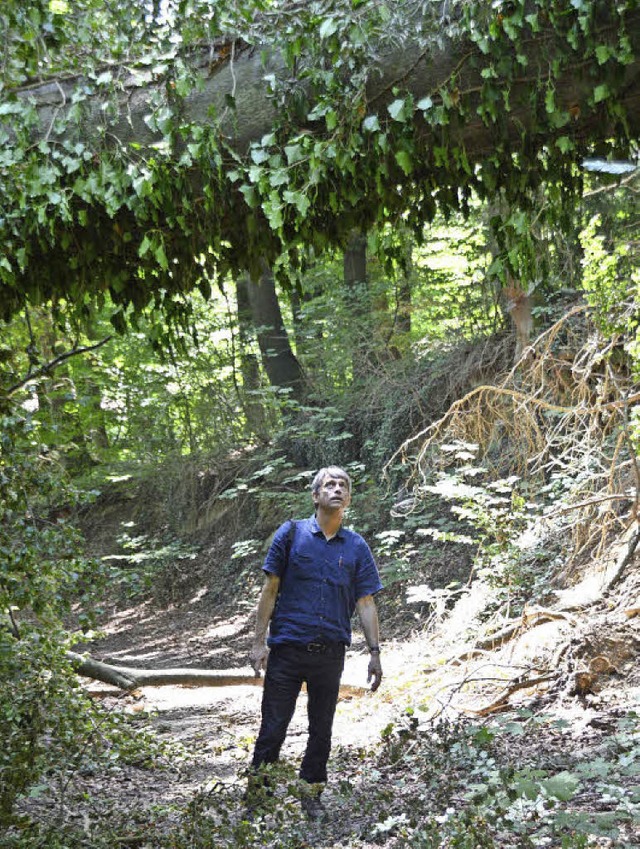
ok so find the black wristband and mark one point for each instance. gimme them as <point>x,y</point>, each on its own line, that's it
<point>374,649</point>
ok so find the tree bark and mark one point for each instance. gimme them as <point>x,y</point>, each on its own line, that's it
<point>130,678</point>
<point>356,286</point>
<point>256,420</point>
<point>240,72</point>
<point>282,367</point>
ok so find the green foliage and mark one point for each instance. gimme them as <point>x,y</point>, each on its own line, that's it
<point>47,722</point>
<point>149,567</point>
<point>42,569</point>
<point>131,219</point>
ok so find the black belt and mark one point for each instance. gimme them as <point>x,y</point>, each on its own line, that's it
<point>319,647</point>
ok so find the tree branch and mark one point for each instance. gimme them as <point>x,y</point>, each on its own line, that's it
<point>50,366</point>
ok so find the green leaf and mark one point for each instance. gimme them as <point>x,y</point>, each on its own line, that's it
<point>404,161</point>
<point>145,244</point>
<point>562,786</point>
<point>425,104</point>
<point>371,124</point>
<point>601,93</point>
<point>396,110</point>
<point>603,52</point>
<point>161,257</point>
<point>259,155</point>
<point>327,28</point>
<point>299,200</point>
<point>250,196</point>
<point>565,144</point>
<point>331,120</point>
<point>550,100</point>
<point>294,153</point>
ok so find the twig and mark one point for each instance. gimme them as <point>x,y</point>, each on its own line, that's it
<point>503,699</point>
<point>600,500</point>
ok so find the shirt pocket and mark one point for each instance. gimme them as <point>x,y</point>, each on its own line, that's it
<point>341,571</point>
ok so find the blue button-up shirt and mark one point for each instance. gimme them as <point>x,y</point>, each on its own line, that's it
<point>320,585</point>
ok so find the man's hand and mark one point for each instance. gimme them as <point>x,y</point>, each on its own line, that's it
<point>258,658</point>
<point>374,673</point>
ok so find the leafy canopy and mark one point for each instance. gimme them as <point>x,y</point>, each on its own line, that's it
<point>128,166</point>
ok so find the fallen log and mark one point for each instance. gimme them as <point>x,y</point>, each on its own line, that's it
<point>131,678</point>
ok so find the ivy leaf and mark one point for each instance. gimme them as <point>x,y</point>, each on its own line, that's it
<point>299,200</point>
<point>371,123</point>
<point>294,153</point>
<point>425,104</point>
<point>550,100</point>
<point>331,120</point>
<point>145,244</point>
<point>601,93</point>
<point>279,177</point>
<point>250,196</point>
<point>396,110</point>
<point>161,257</point>
<point>404,160</point>
<point>603,52</point>
<point>565,144</point>
<point>259,155</point>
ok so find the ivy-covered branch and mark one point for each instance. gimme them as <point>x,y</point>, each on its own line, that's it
<point>281,127</point>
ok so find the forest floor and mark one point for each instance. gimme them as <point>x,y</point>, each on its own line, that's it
<point>504,746</point>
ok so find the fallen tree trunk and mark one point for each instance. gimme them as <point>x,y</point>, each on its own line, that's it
<point>131,678</point>
<point>239,74</point>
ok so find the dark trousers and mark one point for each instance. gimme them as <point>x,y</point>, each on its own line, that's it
<point>288,667</point>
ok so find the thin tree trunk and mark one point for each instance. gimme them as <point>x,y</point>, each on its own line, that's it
<point>256,419</point>
<point>282,367</point>
<point>358,297</point>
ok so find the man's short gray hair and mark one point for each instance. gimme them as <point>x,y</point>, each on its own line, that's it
<point>331,471</point>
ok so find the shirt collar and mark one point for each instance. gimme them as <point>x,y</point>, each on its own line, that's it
<point>316,529</point>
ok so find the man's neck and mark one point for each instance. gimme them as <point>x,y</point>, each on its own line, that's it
<point>329,521</point>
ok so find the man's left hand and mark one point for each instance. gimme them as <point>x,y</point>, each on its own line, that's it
<point>374,673</point>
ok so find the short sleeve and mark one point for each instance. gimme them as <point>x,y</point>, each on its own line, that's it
<point>367,579</point>
<point>275,561</point>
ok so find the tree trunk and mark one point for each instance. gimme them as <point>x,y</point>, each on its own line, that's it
<point>130,678</point>
<point>241,72</point>
<point>518,306</point>
<point>256,420</point>
<point>356,285</point>
<point>279,361</point>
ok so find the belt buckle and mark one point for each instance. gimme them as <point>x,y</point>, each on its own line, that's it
<point>316,648</point>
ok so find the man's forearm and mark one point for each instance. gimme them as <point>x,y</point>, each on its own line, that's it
<point>368,613</point>
<point>266,605</point>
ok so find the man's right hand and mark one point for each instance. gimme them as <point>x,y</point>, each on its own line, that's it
<point>258,658</point>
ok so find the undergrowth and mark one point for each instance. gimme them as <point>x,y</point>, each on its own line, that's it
<point>422,785</point>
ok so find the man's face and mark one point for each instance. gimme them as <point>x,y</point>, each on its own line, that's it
<point>333,493</point>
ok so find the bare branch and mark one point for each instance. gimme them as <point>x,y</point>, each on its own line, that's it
<point>47,368</point>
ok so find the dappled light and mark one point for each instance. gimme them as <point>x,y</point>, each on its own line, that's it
<point>319,391</point>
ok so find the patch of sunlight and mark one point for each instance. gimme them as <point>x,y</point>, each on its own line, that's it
<point>168,698</point>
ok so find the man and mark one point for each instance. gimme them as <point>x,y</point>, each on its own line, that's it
<point>316,574</point>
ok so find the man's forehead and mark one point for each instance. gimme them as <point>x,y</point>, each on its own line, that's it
<point>335,476</point>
